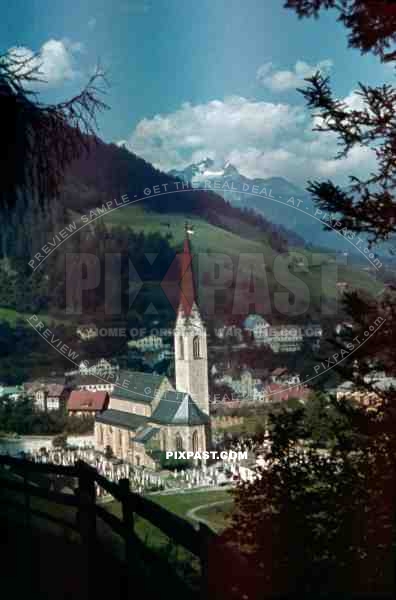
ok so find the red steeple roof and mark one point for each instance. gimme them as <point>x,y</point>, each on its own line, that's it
<point>187,286</point>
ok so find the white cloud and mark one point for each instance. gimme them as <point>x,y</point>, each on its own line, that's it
<point>282,80</point>
<point>56,60</point>
<point>262,139</point>
<point>213,129</point>
<point>354,101</point>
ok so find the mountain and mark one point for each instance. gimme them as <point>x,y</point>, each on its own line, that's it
<point>222,227</point>
<point>272,206</point>
<point>150,229</point>
<point>111,171</point>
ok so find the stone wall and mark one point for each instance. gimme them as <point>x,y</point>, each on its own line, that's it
<point>170,433</point>
<point>121,442</point>
<point>226,421</point>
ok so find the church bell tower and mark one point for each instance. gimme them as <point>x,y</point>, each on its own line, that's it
<point>191,352</point>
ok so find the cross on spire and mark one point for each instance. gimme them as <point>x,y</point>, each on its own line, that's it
<point>188,230</point>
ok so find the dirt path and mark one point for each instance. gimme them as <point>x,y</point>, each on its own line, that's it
<point>191,514</point>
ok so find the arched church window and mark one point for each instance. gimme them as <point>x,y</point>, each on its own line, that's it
<point>179,442</point>
<point>164,441</point>
<point>196,353</point>
<point>195,441</point>
<point>181,347</point>
<point>100,434</point>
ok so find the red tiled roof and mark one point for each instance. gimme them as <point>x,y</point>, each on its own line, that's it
<point>276,391</point>
<point>279,371</point>
<point>84,400</point>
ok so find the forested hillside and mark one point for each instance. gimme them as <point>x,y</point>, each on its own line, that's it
<point>153,226</point>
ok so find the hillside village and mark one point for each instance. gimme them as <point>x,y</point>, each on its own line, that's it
<point>211,416</point>
<point>128,409</point>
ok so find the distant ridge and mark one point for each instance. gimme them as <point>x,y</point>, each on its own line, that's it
<point>282,189</point>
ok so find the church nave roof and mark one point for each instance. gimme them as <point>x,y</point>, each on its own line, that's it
<point>145,435</point>
<point>137,386</point>
<point>119,418</point>
<point>177,408</point>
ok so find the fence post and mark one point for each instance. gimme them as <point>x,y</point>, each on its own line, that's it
<point>206,534</point>
<point>86,518</point>
<point>27,550</point>
<point>128,521</point>
<point>26,496</point>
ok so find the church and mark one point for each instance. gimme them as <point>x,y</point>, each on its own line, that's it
<point>145,413</point>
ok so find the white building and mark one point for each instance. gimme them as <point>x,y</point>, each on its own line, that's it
<point>282,338</point>
<point>247,386</point>
<point>87,332</point>
<point>102,367</point>
<point>150,343</point>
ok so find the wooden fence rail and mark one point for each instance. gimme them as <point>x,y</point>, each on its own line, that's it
<point>180,531</point>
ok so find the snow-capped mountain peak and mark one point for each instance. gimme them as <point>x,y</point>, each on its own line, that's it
<point>202,166</point>
<point>229,170</point>
<point>206,169</point>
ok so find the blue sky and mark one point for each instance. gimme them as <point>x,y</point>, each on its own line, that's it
<point>196,78</point>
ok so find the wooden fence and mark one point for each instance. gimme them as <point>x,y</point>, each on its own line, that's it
<point>180,531</point>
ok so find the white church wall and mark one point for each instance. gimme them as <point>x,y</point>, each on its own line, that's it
<point>136,408</point>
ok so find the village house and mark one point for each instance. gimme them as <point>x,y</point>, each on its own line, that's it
<point>82,403</point>
<point>148,343</point>
<point>101,367</point>
<point>47,395</point>
<point>282,376</point>
<point>282,338</point>
<point>243,387</point>
<point>370,399</point>
<point>94,383</point>
<point>279,375</point>
<point>87,332</point>
<point>151,350</point>
<point>276,392</point>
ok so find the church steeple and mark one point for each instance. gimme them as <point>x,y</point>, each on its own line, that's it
<point>187,285</point>
<point>191,354</point>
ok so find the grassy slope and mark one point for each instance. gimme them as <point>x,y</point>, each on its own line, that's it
<point>12,317</point>
<point>208,238</point>
<point>180,504</point>
<point>217,516</point>
<point>212,239</point>
<point>183,563</point>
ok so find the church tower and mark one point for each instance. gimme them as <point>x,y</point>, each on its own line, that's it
<point>191,352</point>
